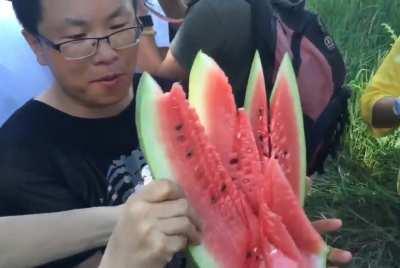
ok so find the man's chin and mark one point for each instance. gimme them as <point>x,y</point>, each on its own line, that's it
<point>99,98</point>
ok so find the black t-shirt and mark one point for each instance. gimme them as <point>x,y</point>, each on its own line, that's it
<point>51,161</point>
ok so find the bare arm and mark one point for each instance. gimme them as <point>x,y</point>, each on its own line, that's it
<point>382,114</point>
<point>173,8</point>
<point>152,61</point>
<point>31,240</point>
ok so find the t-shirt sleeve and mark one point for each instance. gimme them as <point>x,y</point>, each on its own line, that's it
<point>202,29</point>
<point>28,186</point>
<point>385,83</point>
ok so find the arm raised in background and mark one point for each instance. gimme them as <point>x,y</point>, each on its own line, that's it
<point>175,9</point>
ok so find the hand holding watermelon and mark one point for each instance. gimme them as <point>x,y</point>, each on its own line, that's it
<point>336,256</point>
<point>249,195</point>
<point>156,223</point>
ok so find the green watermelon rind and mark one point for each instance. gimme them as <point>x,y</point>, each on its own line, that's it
<point>202,66</point>
<point>147,124</point>
<point>321,260</point>
<point>251,88</point>
<point>148,128</point>
<point>286,70</point>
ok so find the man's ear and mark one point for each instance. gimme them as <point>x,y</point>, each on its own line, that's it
<point>36,47</point>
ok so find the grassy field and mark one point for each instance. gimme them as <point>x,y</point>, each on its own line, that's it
<point>359,186</point>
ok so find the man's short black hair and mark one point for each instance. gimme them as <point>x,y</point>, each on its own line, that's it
<point>29,13</point>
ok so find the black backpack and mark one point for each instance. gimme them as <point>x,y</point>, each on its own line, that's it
<point>286,26</point>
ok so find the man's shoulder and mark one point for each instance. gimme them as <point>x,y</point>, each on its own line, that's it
<point>222,6</point>
<point>25,123</point>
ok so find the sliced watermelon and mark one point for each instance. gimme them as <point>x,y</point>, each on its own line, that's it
<point>256,105</point>
<point>227,129</point>
<point>251,214</point>
<point>176,147</point>
<point>283,201</point>
<point>245,168</point>
<point>284,132</point>
<point>287,128</point>
<point>215,108</point>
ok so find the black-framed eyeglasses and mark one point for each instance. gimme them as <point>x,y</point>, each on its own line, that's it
<point>86,47</point>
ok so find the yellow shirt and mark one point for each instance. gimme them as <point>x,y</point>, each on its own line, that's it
<point>385,83</point>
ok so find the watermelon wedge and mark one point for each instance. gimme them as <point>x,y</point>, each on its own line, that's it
<point>283,201</point>
<point>287,128</point>
<point>279,128</point>
<point>256,105</point>
<point>176,147</point>
<point>217,112</point>
<point>251,214</point>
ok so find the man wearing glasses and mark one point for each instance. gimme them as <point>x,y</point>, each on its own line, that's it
<point>75,145</point>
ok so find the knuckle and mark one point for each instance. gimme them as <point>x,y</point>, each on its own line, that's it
<point>186,223</point>
<point>137,208</point>
<point>180,245</point>
<point>160,246</point>
<point>146,228</point>
<point>165,188</point>
<point>184,206</point>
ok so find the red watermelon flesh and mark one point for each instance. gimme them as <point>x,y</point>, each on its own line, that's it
<point>272,227</point>
<point>227,129</point>
<point>286,135</point>
<point>256,105</point>
<point>244,224</point>
<point>252,182</point>
<point>217,112</point>
<point>244,166</point>
<point>282,201</point>
<point>287,131</point>
<point>197,168</point>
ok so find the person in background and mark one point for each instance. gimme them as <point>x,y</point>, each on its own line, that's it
<point>70,148</point>
<point>380,102</point>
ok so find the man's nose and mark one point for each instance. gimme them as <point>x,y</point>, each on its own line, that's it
<point>105,53</point>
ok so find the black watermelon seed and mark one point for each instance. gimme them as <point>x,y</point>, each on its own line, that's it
<point>189,154</point>
<point>234,161</point>
<point>248,254</point>
<point>179,127</point>
<point>223,187</point>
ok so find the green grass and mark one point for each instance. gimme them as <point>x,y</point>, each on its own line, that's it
<point>359,186</point>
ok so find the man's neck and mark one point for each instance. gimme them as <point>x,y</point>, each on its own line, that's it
<point>58,99</point>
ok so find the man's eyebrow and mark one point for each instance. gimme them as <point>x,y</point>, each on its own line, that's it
<point>82,22</point>
<point>76,22</point>
<point>119,11</point>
